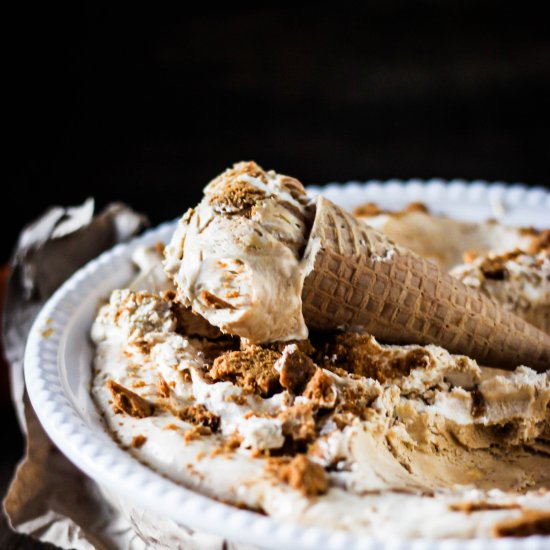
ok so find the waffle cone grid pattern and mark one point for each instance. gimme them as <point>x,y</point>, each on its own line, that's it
<point>361,280</point>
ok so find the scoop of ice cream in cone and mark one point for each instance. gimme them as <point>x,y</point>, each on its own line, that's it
<point>236,259</point>
<point>259,259</point>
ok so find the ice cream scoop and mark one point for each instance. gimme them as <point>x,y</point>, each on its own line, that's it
<point>236,258</point>
<point>258,259</point>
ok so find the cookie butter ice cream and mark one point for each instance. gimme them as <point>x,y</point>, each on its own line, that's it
<point>336,430</point>
<point>236,257</point>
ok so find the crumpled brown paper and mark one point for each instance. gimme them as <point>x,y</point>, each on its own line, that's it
<point>49,498</point>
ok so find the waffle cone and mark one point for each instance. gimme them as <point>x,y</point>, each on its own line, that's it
<point>360,280</point>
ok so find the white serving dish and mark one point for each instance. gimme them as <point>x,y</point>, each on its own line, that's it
<point>59,356</point>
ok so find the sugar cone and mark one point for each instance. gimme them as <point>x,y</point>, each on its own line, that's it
<point>360,280</point>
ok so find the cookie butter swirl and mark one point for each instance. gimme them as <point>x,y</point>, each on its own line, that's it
<point>236,258</point>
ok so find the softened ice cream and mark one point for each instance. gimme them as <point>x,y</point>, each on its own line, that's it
<point>336,430</point>
<point>236,257</point>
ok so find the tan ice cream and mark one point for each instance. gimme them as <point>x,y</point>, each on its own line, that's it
<point>338,431</point>
<point>235,258</point>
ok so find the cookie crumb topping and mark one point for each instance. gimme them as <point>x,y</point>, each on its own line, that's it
<point>126,401</point>
<point>253,370</point>
<point>301,474</point>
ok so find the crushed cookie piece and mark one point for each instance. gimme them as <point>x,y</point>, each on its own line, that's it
<point>210,300</point>
<point>469,507</point>
<point>494,268</point>
<point>355,401</point>
<point>321,391</point>
<point>478,403</point>
<point>196,432</point>
<point>469,256</point>
<point>253,370</point>
<point>541,241</point>
<point>305,346</point>
<point>228,446</point>
<point>170,426</point>
<point>138,384</point>
<point>417,207</point>
<point>531,522</point>
<point>236,195</point>
<point>163,389</point>
<point>198,415</point>
<point>159,247</point>
<point>171,296</point>
<point>138,441</point>
<point>360,354</point>
<point>367,210</point>
<point>301,474</point>
<point>237,399</point>
<point>295,369</point>
<point>127,402</point>
<point>343,419</point>
<point>298,422</point>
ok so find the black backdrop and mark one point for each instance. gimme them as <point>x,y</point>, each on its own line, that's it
<point>146,104</point>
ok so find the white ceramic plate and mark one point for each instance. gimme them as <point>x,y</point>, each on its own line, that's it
<point>59,356</point>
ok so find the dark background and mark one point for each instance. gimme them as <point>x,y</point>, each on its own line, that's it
<point>145,105</point>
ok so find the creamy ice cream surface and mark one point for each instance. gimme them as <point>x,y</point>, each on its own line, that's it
<point>236,258</point>
<point>338,430</point>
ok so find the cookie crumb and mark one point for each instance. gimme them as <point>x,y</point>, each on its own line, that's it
<point>229,446</point>
<point>479,406</point>
<point>541,241</point>
<point>417,207</point>
<point>163,389</point>
<point>301,474</point>
<point>295,369</point>
<point>367,210</point>
<point>531,522</point>
<point>320,390</point>
<point>469,507</point>
<point>159,247</point>
<point>198,415</point>
<point>298,422</point>
<point>237,399</point>
<point>127,402</point>
<point>196,432</point>
<point>138,441</point>
<point>360,354</point>
<point>213,301</point>
<point>494,268</point>
<point>232,193</point>
<point>252,369</point>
